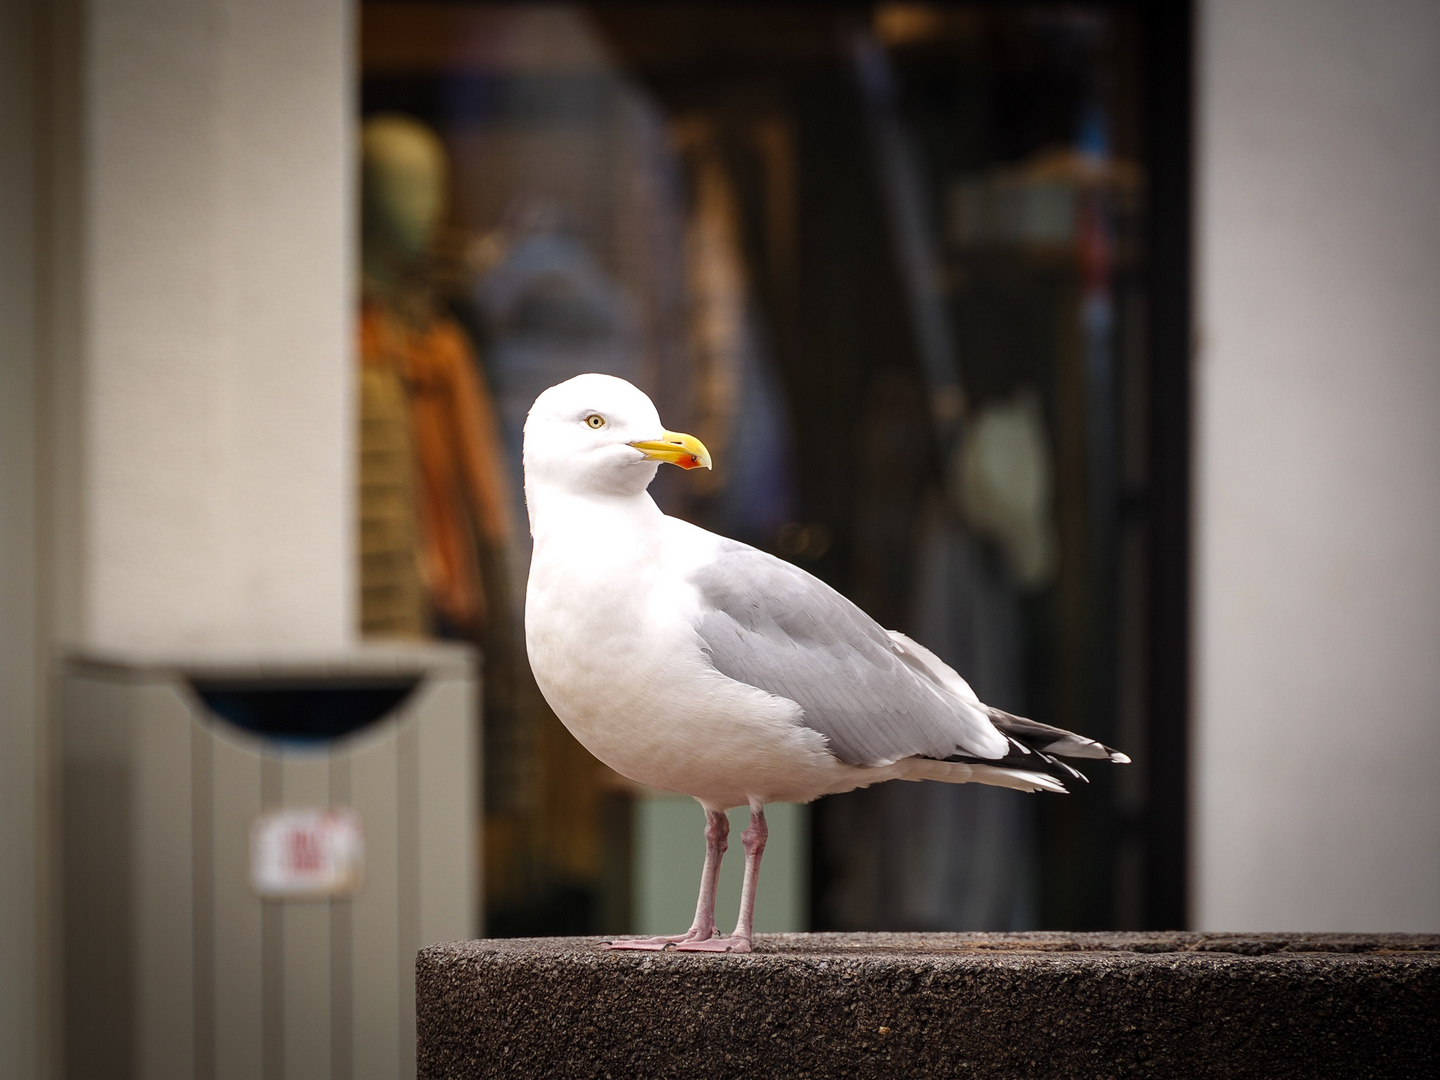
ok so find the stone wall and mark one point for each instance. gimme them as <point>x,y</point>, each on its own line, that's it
<point>922,1005</point>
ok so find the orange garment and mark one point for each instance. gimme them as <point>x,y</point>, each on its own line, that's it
<point>460,479</point>
<point>393,599</point>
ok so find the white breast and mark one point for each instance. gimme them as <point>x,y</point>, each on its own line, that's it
<point>609,626</point>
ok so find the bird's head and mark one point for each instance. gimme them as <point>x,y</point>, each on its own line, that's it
<point>596,434</point>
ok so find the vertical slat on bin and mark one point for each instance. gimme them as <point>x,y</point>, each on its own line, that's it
<point>99,871</point>
<point>375,912</point>
<point>305,783</point>
<point>407,773</point>
<point>272,941</point>
<point>342,975</point>
<point>446,753</point>
<point>202,865</point>
<point>164,952</point>
<point>238,954</point>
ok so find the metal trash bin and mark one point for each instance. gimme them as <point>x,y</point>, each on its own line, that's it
<point>255,847</point>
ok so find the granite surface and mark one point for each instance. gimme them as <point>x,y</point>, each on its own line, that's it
<point>923,1005</point>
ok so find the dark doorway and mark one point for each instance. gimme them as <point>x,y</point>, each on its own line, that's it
<point>943,252</point>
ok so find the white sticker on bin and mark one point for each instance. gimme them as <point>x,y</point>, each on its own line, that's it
<point>299,853</point>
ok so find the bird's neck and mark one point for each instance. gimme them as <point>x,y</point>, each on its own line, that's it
<point>560,517</point>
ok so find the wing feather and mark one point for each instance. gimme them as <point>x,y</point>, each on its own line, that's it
<point>768,623</point>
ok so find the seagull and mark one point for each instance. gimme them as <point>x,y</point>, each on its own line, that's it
<point>696,664</point>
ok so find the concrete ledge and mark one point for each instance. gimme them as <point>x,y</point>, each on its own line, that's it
<point>922,1005</point>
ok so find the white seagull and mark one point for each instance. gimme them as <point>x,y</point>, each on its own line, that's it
<point>692,663</point>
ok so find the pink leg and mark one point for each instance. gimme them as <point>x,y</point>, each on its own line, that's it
<point>717,839</point>
<point>743,938</point>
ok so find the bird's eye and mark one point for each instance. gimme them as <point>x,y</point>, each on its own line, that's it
<point>595,420</point>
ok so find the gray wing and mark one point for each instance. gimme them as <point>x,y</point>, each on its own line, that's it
<point>769,624</point>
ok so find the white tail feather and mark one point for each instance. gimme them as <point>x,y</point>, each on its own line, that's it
<point>964,772</point>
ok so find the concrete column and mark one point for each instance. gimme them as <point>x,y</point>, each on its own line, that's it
<point>175,374</point>
<point>216,424</point>
<point>1318,491</point>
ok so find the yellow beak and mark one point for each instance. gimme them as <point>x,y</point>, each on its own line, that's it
<point>678,449</point>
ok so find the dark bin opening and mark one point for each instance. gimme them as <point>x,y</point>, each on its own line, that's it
<point>306,710</point>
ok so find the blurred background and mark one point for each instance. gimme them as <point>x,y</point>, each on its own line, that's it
<point>1091,344</point>
<point>892,267</point>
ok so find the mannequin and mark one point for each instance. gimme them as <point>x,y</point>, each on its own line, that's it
<point>427,418</point>
<point>437,536</point>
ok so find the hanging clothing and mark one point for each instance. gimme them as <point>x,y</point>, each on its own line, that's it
<point>740,412</point>
<point>551,312</point>
<point>461,495</point>
<point>392,593</point>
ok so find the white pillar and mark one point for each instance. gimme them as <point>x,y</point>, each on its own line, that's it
<point>216,416</point>
<point>175,374</point>
<point>1316,804</point>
